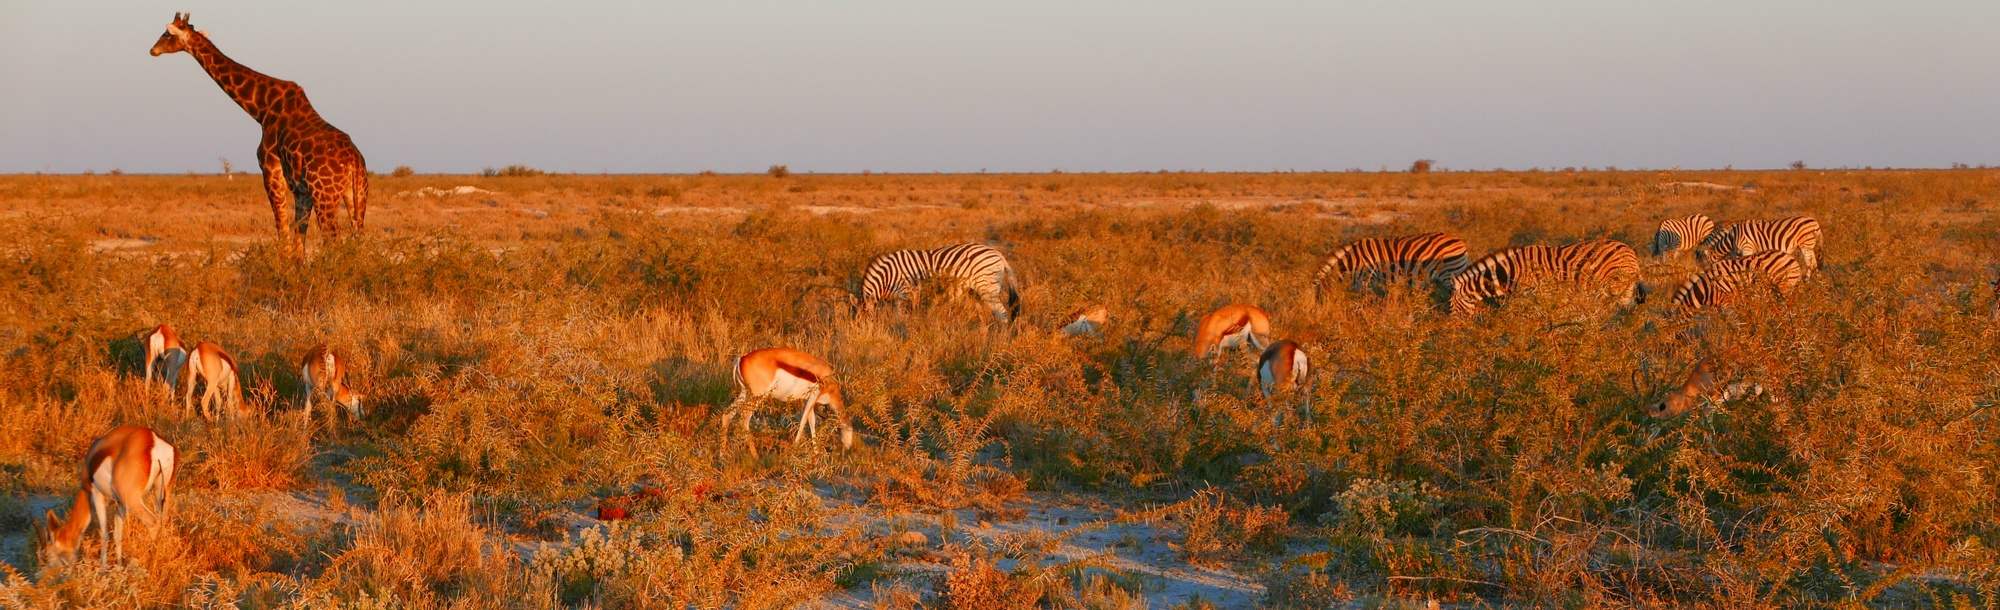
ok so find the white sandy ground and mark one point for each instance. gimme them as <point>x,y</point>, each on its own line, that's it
<point>1068,528</point>
<point>1701,186</point>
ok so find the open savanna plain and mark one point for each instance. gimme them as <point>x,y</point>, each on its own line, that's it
<point>560,344</point>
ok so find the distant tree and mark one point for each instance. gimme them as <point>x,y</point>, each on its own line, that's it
<point>403,171</point>
<point>1798,165</point>
<point>228,172</point>
<point>1421,166</point>
<point>778,171</point>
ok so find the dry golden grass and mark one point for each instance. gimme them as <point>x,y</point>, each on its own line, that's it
<point>563,339</point>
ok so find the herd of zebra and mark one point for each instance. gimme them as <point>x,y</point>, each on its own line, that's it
<point>1782,252</point>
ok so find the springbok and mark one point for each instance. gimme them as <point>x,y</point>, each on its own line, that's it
<point>786,374</point>
<point>1086,321</point>
<point>1284,368</point>
<point>1702,383</point>
<point>223,395</point>
<point>127,465</point>
<point>1233,326</point>
<point>323,370</point>
<point>163,342</point>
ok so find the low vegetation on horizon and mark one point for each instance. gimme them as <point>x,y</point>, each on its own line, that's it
<point>546,350</point>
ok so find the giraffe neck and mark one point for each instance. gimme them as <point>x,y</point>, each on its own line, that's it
<point>265,98</point>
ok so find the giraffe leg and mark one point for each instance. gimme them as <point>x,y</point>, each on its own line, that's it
<point>328,196</point>
<point>277,188</point>
<point>357,191</point>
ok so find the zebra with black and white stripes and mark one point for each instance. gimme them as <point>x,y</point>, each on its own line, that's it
<point>1514,269</point>
<point>1678,235</point>
<point>1727,276</point>
<point>1432,257</point>
<point>979,269</point>
<point>1798,236</point>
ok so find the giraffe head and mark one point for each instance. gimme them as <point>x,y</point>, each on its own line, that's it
<point>176,38</point>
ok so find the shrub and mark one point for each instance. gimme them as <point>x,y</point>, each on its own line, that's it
<point>1421,166</point>
<point>402,171</point>
<point>778,171</point>
<point>511,171</point>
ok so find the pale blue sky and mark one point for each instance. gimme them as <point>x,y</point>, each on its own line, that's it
<point>1033,85</point>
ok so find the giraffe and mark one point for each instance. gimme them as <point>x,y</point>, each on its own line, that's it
<point>309,165</point>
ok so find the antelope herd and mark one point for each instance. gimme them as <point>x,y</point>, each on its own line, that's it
<point>131,463</point>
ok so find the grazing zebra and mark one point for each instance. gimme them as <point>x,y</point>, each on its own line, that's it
<point>1797,236</point>
<point>1681,234</point>
<point>1507,271</point>
<point>1728,275</point>
<point>1434,257</point>
<point>980,270</point>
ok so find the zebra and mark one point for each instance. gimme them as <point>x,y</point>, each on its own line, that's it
<point>1507,271</point>
<point>979,269</point>
<point>1681,234</point>
<point>1798,236</point>
<point>1435,257</point>
<point>1728,275</point>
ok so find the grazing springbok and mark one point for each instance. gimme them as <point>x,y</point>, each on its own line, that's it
<point>1086,321</point>
<point>163,342</point>
<point>128,465</point>
<point>1233,326</point>
<point>785,374</point>
<point>223,394</point>
<point>1285,368</point>
<point>324,370</point>
<point>1703,382</point>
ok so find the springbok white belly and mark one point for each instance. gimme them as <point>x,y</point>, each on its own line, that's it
<point>1239,338</point>
<point>786,386</point>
